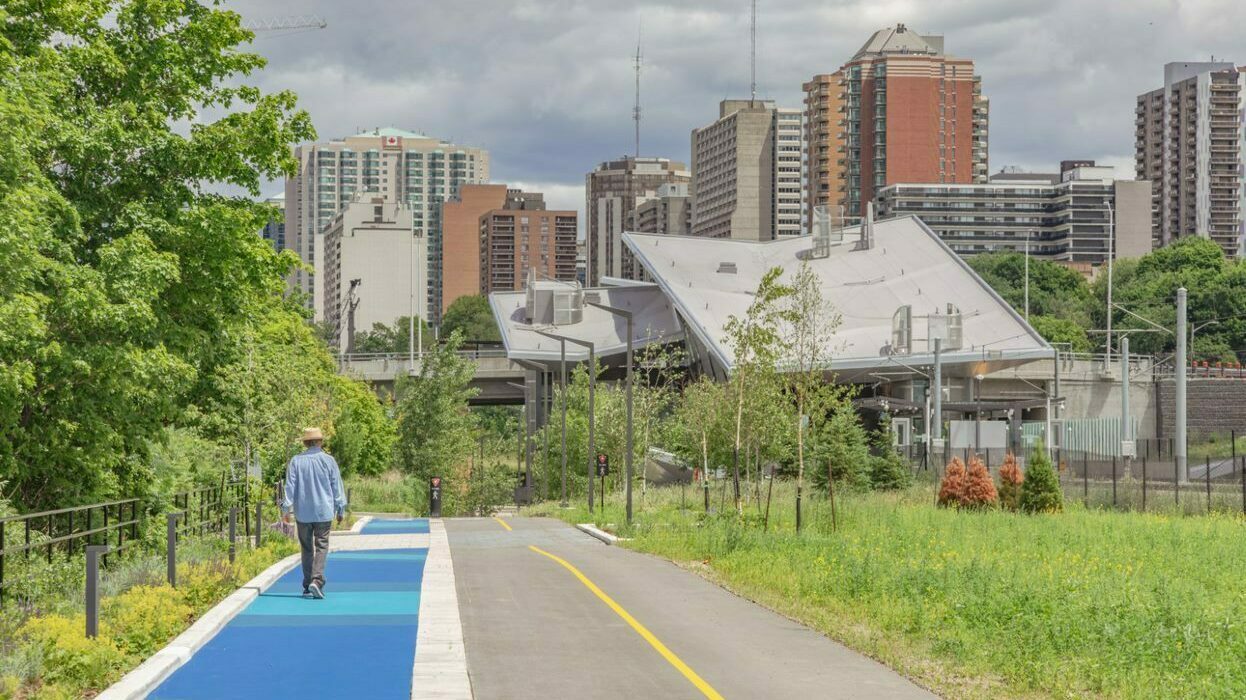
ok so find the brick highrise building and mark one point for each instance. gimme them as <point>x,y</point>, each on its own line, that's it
<point>523,235</point>
<point>899,111</point>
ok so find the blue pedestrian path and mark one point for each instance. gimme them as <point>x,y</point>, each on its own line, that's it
<point>418,526</point>
<point>358,642</point>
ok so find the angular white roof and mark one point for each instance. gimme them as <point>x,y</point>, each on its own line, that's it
<point>907,265</point>
<point>653,321</point>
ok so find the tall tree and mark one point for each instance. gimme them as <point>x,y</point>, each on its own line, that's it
<point>811,322</point>
<point>755,343</point>
<point>471,316</point>
<point>436,431</point>
<point>127,283</point>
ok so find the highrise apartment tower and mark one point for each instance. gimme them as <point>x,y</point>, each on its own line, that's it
<point>746,172</point>
<point>1191,144</point>
<point>899,111</point>
<point>612,191</point>
<point>399,166</point>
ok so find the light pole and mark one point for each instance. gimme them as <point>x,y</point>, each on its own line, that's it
<point>592,392</point>
<point>1027,275</point>
<point>627,317</point>
<point>1111,256</point>
<point>1195,329</point>
<point>413,284</point>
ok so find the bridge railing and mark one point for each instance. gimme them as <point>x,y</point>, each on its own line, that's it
<point>358,357</point>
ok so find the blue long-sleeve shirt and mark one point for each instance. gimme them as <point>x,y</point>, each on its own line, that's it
<point>314,487</point>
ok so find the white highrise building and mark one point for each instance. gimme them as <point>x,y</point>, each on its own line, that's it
<point>401,167</point>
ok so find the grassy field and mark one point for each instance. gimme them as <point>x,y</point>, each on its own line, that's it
<point>982,604</point>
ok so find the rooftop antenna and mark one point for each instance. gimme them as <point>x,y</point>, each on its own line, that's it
<point>753,54</point>
<point>636,107</point>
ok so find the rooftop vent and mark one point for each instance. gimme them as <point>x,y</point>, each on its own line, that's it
<point>553,303</point>
<point>902,330</point>
<point>727,268</point>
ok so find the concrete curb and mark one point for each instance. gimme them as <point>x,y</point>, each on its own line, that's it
<point>440,669</point>
<point>152,672</point>
<point>602,535</point>
<point>359,525</point>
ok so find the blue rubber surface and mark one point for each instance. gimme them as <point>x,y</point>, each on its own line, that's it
<point>359,642</point>
<point>414,526</point>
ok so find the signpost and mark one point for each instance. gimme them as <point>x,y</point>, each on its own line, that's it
<point>434,497</point>
<point>603,468</point>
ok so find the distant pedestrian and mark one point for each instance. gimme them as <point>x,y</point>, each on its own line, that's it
<point>314,495</point>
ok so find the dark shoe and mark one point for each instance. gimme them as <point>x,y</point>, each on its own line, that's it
<point>306,593</point>
<point>316,592</point>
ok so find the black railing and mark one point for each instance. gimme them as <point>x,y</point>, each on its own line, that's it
<point>118,524</point>
<point>65,528</point>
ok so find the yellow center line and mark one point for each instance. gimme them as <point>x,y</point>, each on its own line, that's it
<point>503,523</point>
<point>706,689</point>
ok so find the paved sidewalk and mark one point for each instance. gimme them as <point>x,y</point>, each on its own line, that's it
<point>360,641</point>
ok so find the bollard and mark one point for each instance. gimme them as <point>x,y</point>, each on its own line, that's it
<point>259,523</point>
<point>94,551</point>
<point>233,533</point>
<point>171,547</point>
<point>1207,478</point>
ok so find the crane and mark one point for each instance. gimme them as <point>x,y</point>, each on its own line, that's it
<point>281,26</point>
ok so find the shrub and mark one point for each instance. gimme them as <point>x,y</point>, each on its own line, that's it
<point>889,472</point>
<point>952,489</point>
<point>1010,483</point>
<point>845,446</point>
<point>979,490</point>
<point>1040,490</point>
<point>145,618</point>
<point>69,657</point>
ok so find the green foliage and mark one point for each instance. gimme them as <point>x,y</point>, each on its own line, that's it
<point>1059,330</point>
<point>435,429</point>
<point>145,618</point>
<point>69,658</point>
<point>471,316</point>
<point>395,338</point>
<point>1040,491</point>
<point>843,446</point>
<point>363,436</point>
<point>888,470</point>
<point>126,282</point>
<point>487,488</point>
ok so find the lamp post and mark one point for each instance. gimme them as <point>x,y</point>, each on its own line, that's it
<point>592,392</point>
<point>1195,329</point>
<point>627,317</point>
<point>412,284</point>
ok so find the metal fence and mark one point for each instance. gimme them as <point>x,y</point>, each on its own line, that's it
<point>1214,478</point>
<point>119,525</point>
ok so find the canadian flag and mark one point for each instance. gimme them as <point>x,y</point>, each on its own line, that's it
<point>391,140</point>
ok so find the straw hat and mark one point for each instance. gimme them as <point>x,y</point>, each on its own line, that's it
<point>310,434</point>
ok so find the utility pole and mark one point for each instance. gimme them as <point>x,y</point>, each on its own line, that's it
<point>1181,368</point>
<point>1126,423</point>
<point>1107,361</point>
<point>937,442</point>
<point>1027,276</point>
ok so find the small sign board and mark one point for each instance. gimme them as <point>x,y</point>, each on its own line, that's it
<point>434,497</point>
<point>1129,448</point>
<point>603,464</point>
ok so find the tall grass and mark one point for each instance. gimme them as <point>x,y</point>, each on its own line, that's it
<point>983,604</point>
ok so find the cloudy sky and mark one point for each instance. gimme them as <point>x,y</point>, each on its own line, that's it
<point>547,85</point>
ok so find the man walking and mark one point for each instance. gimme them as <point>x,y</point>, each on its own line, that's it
<point>314,494</point>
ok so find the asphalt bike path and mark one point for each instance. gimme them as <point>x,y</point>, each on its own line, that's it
<point>549,612</point>
<point>358,642</point>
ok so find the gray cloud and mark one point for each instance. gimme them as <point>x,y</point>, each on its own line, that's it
<point>546,85</point>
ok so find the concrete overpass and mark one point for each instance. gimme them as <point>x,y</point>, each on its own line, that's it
<point>498,379</point>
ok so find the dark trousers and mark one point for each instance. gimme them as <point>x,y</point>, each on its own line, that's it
<point>314,541</point>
